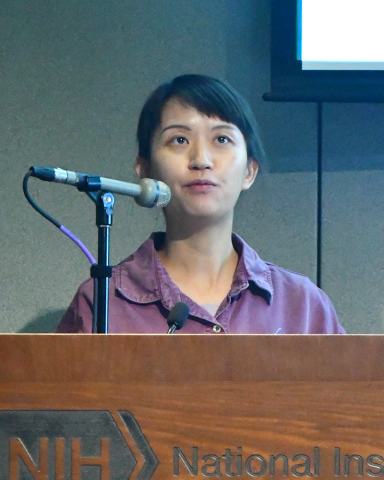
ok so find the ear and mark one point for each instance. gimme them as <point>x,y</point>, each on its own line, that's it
<point>142,167</point>
<point>251,172</point>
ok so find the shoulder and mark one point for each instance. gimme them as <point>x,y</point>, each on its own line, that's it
<point>267,275</point>
<point>144,256</point>
<point>297,287</point>
<point>131,274</point>
<point>291,280</point>
<point>291,296</point>
<point>131,277</point>
<point>304,300</point>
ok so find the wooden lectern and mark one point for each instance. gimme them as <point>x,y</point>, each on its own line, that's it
<point>119,407</point>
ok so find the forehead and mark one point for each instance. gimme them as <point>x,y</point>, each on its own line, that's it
<point>175,111</point>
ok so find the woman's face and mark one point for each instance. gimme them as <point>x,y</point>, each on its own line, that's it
<point>203,160</point>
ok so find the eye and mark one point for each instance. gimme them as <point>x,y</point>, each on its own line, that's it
<point>223,139</point>
<point>179,140</point>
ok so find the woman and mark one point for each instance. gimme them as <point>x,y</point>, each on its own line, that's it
<point>199,136</point>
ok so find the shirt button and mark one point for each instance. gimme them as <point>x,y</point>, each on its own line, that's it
<point>216,328</point>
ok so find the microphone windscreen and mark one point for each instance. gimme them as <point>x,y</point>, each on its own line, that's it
<point>178,315</point>
<point>153,193</point>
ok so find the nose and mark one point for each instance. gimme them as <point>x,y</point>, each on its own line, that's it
<point>200,157</point>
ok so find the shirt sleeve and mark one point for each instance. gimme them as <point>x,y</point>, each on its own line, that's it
<point>333,322</point>
<point>324,313</point>
<point>303,307</point>
<point>78,316</point>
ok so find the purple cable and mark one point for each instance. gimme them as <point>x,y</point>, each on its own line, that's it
<point>79,243</point>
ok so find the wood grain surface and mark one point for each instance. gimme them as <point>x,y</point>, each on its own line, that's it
<point>253,395</point>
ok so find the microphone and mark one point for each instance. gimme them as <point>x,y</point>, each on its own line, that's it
<point>177,317</point>
<point>148,193</point>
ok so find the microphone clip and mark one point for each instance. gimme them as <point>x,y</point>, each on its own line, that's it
<point>89,183</point>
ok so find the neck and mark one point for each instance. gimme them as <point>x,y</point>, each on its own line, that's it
<point>206,239</point>
<point>200,259</point>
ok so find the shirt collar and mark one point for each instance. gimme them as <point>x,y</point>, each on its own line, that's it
<point>252,272</point>
<point>141,277</point>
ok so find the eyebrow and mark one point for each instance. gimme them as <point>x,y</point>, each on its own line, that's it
<point>185,127</point>
<point>219,127</point>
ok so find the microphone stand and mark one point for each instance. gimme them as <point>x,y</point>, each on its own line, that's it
<point>100,272</point>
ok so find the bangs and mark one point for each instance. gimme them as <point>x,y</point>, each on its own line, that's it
<point>209,96</point>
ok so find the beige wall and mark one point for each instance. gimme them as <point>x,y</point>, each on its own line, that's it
<point>74,77</point>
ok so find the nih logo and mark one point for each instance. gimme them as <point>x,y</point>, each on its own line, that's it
<point>71,445</point>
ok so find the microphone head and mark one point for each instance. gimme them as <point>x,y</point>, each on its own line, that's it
<point>178,315</point>
<point>153,193</point>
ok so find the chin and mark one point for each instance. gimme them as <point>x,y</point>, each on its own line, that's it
<point>203,211</point>
<point>195,210</point>
<point>208,215</point>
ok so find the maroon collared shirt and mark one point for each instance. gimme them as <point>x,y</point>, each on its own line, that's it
<point>263,299</point>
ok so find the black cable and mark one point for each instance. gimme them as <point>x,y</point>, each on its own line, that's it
<point>319,191</point>
<point>34,205</point>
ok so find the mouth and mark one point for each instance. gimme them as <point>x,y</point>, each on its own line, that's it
<point>201,182</point>
<point>200,186</point>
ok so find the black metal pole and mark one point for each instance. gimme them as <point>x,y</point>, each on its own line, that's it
<point>103,281</point>
<point>319,192</point>
<point>102,271</point>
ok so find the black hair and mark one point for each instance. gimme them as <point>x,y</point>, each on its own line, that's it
<point>208,95</point>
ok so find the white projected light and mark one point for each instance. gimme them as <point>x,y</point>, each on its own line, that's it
<point>342,35</point>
